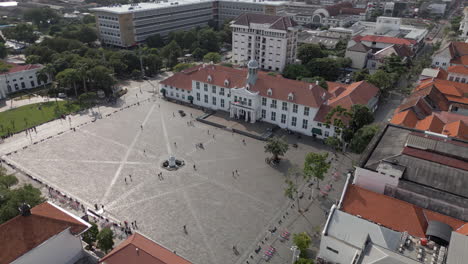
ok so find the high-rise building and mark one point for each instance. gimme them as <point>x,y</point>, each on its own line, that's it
<point>270,40</point>
<point>128,25</point>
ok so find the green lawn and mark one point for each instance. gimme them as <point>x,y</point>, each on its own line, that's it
<point>32,115</point>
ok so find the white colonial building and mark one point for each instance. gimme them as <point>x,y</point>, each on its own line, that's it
<point>270,40</point>
<point>251,95</point>
<point>19,77</point>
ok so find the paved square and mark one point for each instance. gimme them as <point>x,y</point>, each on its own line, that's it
<point>220,210</point>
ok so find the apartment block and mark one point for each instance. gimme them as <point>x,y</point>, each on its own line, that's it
<point>270,40</point>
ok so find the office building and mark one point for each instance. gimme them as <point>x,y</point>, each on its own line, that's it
<point>128,25</point>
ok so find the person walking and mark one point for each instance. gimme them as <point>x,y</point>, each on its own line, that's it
<point>185,229</point>
<point>125,179</point>
<point>130,177</point>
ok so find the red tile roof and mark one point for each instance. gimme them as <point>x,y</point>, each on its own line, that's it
<point>392,213</point>
<point>431,123</point>
<point>356,93</point>
<point>457,129</point>
<point>308,94</point>
<point>304,93</point>
<point>453,91</point>
<point>458,69</point>
<point>23,233</point>
<point>390,40</point>
<point>437,158</point>
<point>141,250</point>
<point>405,118</point>
<point>19,68</point>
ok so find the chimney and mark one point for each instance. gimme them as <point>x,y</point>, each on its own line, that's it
<point>25,209</point>
<point>316,82</point>
<point>310,86</point>
<point>137,251</point>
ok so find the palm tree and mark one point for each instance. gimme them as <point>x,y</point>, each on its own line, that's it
<point>277,146</point>
<point>42,76</point>
<point>67,78</point>
<point>49,69</point>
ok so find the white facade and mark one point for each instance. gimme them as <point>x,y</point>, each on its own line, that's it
<point>358,59</point>
<point>17,81</point>
<point>442,59</point>
<point>250,106</point>
<point>457,77</point>
<point>63,248</point>
<point>272,48</point>
<point>464,25</point>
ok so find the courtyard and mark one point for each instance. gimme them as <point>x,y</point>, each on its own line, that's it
<point>230,198</point>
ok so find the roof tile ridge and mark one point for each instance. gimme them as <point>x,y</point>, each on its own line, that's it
<point>58,220</point>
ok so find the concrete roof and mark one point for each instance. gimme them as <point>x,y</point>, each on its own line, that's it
<point>457,253</point>
<point>122,9</point>
<point>339,228</point>
<point>379,255</point>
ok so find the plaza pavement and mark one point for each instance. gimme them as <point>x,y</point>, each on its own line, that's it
<point>220,210</point>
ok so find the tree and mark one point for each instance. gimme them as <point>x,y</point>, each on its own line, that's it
<point>155,41</point>
<point>89,19</point>
<point>208,40</point>
<point>198,53</point>
<point>302,241</point>
<point>90,236</point>
<point>101,78</point>
<point>212,57</point>
<point>170,53</point>
<point>295,71</point>
<point>360,116</point>
<point>42,76</point>
<point>394,64</point>
<point>3,51</point>
<point>334,143</point>
<point>327,68</point>
<point>316,166</point>
<point>362,137</point>
<point>381,79</point>
<point>291,190</point>
<point>152,64</point>
<point>307,52</point>
<point>86,34</point>
<point>361,75</point>
<point>41,17</point>
<point>67,78</point>
<point>105,239</point>
<point>277,146</point>
<point>12,198</point>
<point>182,66</point>
<point>88,98</point>
<point>21,32</point>
<point>321,81</point>
<point>189,38</point>
<point>304,261</point>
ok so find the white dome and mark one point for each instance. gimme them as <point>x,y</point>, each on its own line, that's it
<point>252,64</point>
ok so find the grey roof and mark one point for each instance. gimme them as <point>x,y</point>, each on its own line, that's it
<point>378,255</point>
<point>439,229</point>
<point>276,22</point>
<point>424,172</point>
<point>340,228</point>
<point>359,47</point>
<point>457,251</point>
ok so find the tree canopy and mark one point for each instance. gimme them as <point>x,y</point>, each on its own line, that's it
<point>20,32</point>
<point>12,198</point>
<point>277,146</point>
<point>316,166</point>
<point>362,138</point>
<point>105,239</point>
<point>302,241</point>
<point>307,52</point>
<point>212,57</point>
